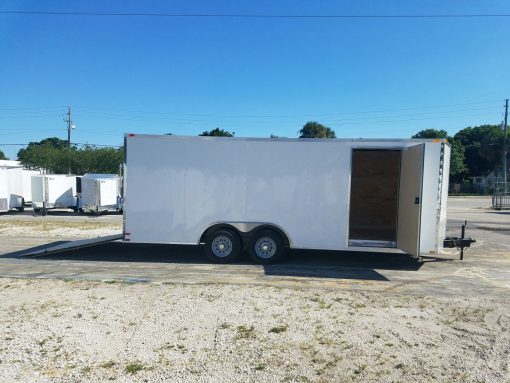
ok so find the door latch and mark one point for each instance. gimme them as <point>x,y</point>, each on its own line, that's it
<point>416,200</point>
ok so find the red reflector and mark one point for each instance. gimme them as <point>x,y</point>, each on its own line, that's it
<point>131,135</point>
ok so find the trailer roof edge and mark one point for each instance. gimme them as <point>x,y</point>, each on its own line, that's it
<point>176,137</point>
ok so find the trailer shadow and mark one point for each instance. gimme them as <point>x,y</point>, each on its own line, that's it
<point>299,264</point>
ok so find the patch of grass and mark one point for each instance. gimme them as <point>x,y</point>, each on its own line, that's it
<point>224,326</point>
<point>176,347</point>
<point>108,364</point>
<point>321,302</point>
<point>360,369</point>
<point>324,341</point>
<point>399,366</point>
<point>279,329</point>
<point>296,378</point>
<point>55,225</point>
<point>260,367</point>
<point>244,332</point>
<point>86,369</point>
<point>134,367</point>
<point>41,343</point>
<point>181,348</point>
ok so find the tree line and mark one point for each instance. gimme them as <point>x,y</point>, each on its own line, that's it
<point>475,151</point>
<point>52,155</point>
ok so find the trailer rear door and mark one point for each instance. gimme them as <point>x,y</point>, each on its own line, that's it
<point>410,199</point>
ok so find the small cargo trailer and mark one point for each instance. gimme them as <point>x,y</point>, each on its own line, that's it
<point>100,193</point>
<point>53,191</point>
<point>20,181</point>
<point>268,195</point>
<point>8,199</point>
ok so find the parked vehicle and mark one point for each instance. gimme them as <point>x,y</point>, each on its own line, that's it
<point>19,179</point>
<point>8,199</point>
<point>99,193</point>
<point>269,195</point>
<point>50,191</point>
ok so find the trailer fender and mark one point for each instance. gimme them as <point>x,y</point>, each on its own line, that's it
<point>246,230</point>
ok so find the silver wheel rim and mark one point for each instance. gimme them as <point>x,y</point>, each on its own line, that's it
<point>265,247</point>
<point>221,246</point>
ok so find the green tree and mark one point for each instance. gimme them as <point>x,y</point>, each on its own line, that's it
<point>431,133</point>
<point>313,129</point>
<point>217,133</point>
<point>90,159</point>
<point>458,168</point>
<point>483,148</point>
<point>46,157</point>
<point>52,156</point>
<point>2,156</point>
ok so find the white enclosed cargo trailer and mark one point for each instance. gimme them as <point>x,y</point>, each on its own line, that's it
<point>8,199</point>
<point>20,179</point>
<point>100,192</point>
<point>50,191</point>
<point>267,195</point>
<point>20,182</point>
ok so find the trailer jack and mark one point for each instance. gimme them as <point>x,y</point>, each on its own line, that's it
<point>459,242</point>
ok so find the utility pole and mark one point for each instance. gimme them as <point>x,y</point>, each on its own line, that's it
<point>505,143</point>
<point>69,127</point>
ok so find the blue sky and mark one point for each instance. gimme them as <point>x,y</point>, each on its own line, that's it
<point>362,77</point>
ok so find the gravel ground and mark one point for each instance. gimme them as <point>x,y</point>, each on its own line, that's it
<point>54,330</point>
<point>40,227</point>
<point>77,331</point>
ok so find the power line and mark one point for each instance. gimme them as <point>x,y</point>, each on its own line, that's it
<point>364,112</point>
<point>13,144</point>
<point>32,116</point>
<point>121,116</point>
<point>260,16</point>
<point>5,112</point>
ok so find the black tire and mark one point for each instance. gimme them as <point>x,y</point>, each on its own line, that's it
<point>266,246</point>
<point>36,210</point>
<point>44,212</point>
<point>223,237</point>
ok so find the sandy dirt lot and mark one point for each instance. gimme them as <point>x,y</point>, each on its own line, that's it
<point>89,331</point>
<point>41,227</point>
<point>86,315</point>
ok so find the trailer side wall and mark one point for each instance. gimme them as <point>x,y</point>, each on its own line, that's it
<point>301,186</point>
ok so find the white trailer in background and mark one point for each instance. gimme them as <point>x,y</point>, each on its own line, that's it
<point>266,195</point>
<point>8,199</point>
<point>100,193</point>
<point>20,179</point>
<point>20,182</point>
<point>51,191</point>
